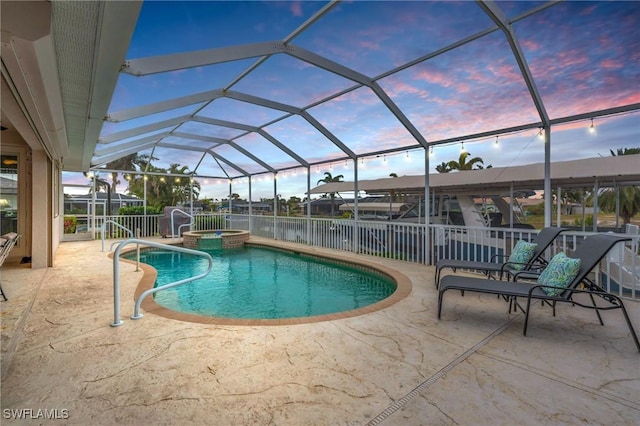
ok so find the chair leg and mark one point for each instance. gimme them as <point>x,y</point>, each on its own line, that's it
<point>633,332</point>
<point>526,316</point>
<point>2,293</point>
<point>440,295</point>
<point>596,308</point>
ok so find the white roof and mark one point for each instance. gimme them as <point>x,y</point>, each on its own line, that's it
<point>376,207</point>
<point>608,171</point>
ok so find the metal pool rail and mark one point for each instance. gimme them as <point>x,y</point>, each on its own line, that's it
<point>116,276</point>
<point>103,229</point>
<point>190,224</point>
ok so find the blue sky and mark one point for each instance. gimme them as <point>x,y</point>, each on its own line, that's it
<point>583,56</point>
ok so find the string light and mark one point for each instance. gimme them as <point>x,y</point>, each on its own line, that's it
<point>540,134</point>
<point>496,143</point>
<point>462,148</point>
<point>592,128</point>
<point>431,154</point>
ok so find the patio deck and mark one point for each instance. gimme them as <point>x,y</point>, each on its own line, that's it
<point>396,366</point>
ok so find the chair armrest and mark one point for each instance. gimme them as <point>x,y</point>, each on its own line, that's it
<point>527,275</point>
<point>495,256</point>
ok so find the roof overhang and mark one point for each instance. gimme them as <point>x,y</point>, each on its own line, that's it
<point>60,65</point>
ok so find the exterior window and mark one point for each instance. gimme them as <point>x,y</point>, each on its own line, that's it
<point>8,193</point>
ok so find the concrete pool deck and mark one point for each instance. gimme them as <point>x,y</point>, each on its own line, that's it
<point>396,366</point>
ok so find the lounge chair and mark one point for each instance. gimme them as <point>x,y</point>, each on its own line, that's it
<point>7,242</point>
<point>500,263</point>
<point>590,252</point>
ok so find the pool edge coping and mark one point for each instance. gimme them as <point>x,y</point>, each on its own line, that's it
<point>404,287</point>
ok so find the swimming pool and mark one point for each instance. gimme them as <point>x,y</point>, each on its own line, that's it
<point>260,283</point>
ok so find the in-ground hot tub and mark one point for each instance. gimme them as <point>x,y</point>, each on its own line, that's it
<point>215,239</point>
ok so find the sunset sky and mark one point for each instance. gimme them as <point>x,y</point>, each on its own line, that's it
<point>583,56</point>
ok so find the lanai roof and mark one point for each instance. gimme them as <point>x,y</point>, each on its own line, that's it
<point>232,89</point>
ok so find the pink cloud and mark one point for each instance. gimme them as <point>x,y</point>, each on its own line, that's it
<point>296,8</point>
<point>588,10</point>
<point>530,45</point>
<point>398,88</point>
<point>435,77</point>
<point>611,64</point>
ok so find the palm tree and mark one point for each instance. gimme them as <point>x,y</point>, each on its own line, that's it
<point>625,151</point>
<point>629,196</point>
<point>327,179</point>
<point>100,183</point>
<point>463,164</point>
<point>182,189</point>
<point>128,162</point>
<point>443,168</point>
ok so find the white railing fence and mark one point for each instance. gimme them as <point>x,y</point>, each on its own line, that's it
<point>619,273</point>
<point>147,226</point>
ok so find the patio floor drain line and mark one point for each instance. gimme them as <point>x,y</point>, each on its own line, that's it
<point>397,405</point>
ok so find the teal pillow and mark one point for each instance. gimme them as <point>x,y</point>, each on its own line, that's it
<point>559,273</point>
<point>521,254</point>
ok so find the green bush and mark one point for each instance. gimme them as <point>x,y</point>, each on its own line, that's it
<point>536,209</point>
<point>70,223</point>
<point>138,210</point>
<point>588,221</point>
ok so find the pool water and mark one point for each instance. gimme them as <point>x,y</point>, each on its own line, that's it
<point>264,283</point>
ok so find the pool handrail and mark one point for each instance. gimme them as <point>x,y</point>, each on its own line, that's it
<point>103,228</point>
<point>116,276</point>
<point>192,222</point>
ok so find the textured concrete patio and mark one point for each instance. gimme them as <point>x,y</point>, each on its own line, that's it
<point>396,366</point>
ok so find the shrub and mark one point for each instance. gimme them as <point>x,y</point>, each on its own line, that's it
<point>138,210</point>
<point>70,223</point>
<point>588,221</point>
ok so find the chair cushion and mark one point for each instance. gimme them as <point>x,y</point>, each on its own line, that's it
<point>521,254</point>
<point>559,273</point>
